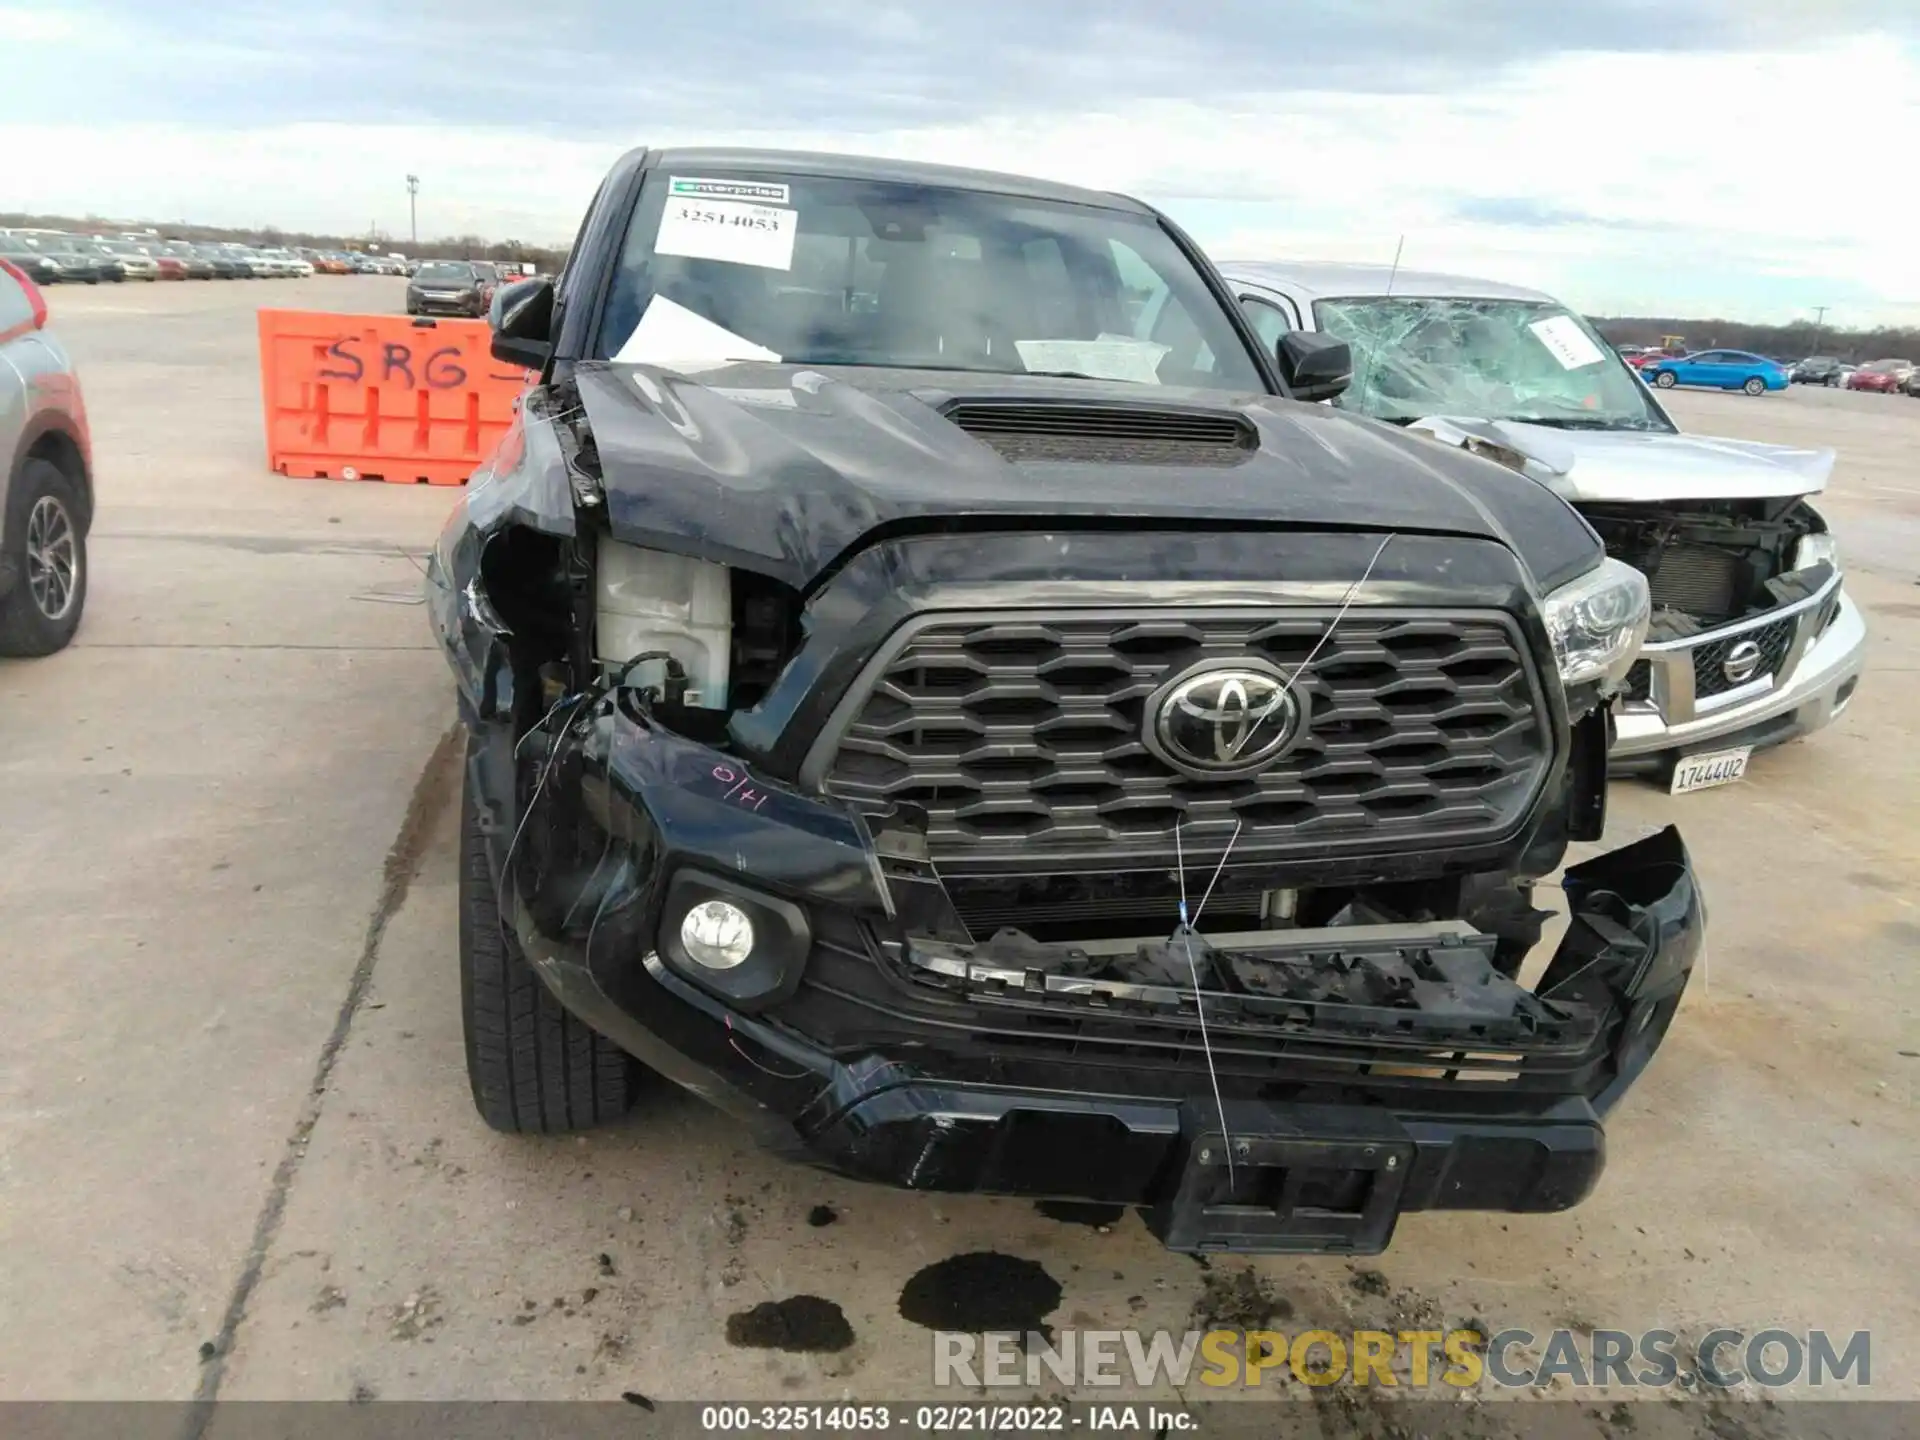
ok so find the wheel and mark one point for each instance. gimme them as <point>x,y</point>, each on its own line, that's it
<point>1755,385</point>
<point>1664,379</point>
<point>533,1067</point>
<point>49,553</point>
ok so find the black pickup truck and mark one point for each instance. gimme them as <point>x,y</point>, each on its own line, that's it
<point>936,692</point>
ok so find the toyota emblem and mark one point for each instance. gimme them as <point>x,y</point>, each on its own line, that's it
<point>1742,663</point>
<point>1223,719</point>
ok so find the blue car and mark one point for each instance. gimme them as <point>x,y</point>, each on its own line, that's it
<point>1719,370</point>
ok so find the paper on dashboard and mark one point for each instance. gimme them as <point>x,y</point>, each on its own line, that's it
<point>672,335</point>
<point>1111,357</point>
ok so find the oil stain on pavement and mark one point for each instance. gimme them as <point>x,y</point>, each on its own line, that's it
<point>800,1325</point>
<point>979,1291</point>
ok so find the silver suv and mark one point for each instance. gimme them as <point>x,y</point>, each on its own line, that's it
<point>47,457</point>
<point>1753,640</point>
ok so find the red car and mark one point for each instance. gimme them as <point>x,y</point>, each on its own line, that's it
<point>1885,376</point>
<point>172,267</point>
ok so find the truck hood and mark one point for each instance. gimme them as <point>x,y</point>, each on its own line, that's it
<point>1628,465</point>
<point>786,469</point>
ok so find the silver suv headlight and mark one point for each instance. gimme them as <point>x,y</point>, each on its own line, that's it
<point>1815,550</point>
<point>1598,622</point>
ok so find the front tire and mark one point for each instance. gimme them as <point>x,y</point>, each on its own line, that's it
<point>1755,385</point>
<point>48,547</point>
<point>1664,379</point>
<point>533,1067</point>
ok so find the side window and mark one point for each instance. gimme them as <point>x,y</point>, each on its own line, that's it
<point>1268,320</point>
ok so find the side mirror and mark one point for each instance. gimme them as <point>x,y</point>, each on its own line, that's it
<point>521,316</point>
<point>1315,366</point>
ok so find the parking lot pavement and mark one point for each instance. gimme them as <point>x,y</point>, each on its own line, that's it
<point>227,863</point>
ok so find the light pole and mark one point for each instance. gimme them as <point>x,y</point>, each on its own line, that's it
<point>1819,323</point>
<point>413,214</point>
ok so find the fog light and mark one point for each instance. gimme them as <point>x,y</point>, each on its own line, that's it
<point>717,935</point>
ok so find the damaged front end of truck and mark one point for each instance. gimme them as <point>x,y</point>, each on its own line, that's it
<point>859,830</point>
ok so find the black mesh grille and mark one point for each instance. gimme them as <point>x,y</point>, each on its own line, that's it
<point>1710,660</point>
<point>1107,434</point>
<point>1021,734</point>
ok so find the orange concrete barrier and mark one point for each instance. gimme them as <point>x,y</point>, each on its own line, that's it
<point>381,397</point>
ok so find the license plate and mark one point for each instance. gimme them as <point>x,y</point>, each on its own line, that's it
<point>1716,767</point>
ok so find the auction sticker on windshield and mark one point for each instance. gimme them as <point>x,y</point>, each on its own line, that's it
<point>732,230</point>
<point>1716,767</point>
<point>1566,342</point>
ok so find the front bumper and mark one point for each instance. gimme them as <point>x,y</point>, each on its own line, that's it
<point>1325,1178</point>
<point>1810,689</point>
<point>864,1068</point>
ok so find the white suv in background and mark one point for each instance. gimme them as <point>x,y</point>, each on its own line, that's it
<point>47,455</point>
<point>286,264</point>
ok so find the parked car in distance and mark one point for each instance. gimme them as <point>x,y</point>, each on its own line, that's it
<point>1886,377</point>
<point>222,265</point>
<point>1753,639</point>
<point>450,287</point>
<point>253,266</point>
<point>111,266</point>
<point>46,462</point>
<point>1816,370</point>
<point>284,264</point>
<point>130,257</point>
<point>79,259</point>
<point>1717,370</point>
<point>38,267</point>
<point>198,267</point>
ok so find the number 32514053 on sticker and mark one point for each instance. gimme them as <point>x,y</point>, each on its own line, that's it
<point>729,230</point>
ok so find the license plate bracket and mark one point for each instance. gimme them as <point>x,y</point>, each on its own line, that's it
<point>1709,768</point>
<point>1288,1191</point>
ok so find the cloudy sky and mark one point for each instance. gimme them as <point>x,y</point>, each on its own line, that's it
<point>1736,157</point>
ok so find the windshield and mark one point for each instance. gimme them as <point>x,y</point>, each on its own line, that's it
<point>1887,367</point>
<point>1484,359</point>
<point>819,271</point>
<point>456,274</point>
<point>124,248</point>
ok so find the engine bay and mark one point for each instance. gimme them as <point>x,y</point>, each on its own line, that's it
<point>1709,563</point>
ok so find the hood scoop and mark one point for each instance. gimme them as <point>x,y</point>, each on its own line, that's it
<point>1082,433</point>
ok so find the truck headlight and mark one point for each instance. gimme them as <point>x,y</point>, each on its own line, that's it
<point>1816,550</point>
<point>1597,623</point>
